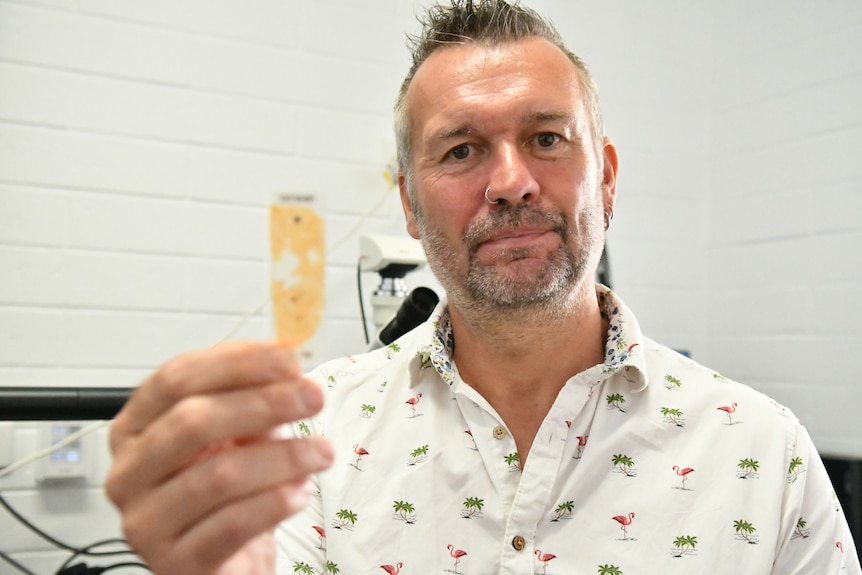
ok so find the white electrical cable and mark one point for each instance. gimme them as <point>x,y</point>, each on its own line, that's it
<point>55,447</point>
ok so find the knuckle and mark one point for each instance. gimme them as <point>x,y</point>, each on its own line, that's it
<point>172,379</point>
<point>222,475</point>
<point>192,420</point>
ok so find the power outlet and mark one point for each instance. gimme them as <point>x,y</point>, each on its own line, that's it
<point>67,462</point>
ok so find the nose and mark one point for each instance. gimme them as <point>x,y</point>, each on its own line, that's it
<point>510,178</point>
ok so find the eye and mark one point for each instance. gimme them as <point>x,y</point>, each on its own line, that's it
<point>547,139</point>
<point>460,152</point>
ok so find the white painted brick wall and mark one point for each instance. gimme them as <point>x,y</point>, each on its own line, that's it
<point>785,208</point>
<point>140,143</point>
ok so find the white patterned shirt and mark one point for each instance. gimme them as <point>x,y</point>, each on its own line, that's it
<point>646,464</point>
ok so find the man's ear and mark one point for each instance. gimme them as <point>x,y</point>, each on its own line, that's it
<point>410,218</point>
<point>611,167</point>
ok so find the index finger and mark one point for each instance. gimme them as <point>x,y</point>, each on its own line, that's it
<point>225,367</point>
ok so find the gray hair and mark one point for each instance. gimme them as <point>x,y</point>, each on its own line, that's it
<point>489,22</point>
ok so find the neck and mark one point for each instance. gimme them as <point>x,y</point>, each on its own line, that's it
<point>519,362</point>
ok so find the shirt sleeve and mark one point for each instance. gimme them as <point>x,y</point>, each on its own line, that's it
<point>815,538</point>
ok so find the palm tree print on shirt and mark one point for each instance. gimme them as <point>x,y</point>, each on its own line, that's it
<point>405,511</point>
<point>303,428</point>
<point>392,349</point>
<point>332,568</point>
<point>672,382</point>
<point>609,570</point>
<point>472,507</point>
<point>367,410</point>
<point>513,460</point>
<point>673,415</point>
<point>616,401</point>
<point>795,470</point>
<point>745,531</point>
<point>563,511</point>
<point>748,468</point>
<point>684,545</point>
<point>345,519</point>
<point>303,568</point>
<point>418,455</point>
<point>800,532</point>
<point>623,464</point>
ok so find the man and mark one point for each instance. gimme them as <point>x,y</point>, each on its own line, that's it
<point>528,427</point>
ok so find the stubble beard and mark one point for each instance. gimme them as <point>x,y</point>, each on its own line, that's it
<point>533,292</point>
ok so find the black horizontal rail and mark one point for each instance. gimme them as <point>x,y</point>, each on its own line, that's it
<point>61,403</point>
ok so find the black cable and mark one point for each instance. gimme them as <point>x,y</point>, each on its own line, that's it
<point>35,529</point>
<point>361,305</point>
<point>77,551</point>
<point>88,551</point>
<point>130,564</point>
<point>15,564</point>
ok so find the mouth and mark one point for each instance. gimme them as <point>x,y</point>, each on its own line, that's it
<point>519,231</point>
<point>512,239</point>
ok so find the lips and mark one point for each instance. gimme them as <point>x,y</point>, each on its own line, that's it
<point>519,228</point>
<point>515,238</point>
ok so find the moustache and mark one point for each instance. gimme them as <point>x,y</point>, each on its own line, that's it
<point>511,218</point>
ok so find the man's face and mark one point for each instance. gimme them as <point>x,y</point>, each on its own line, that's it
<point>510,118</point>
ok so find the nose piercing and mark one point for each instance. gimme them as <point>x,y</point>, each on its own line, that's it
<point>487,199</point>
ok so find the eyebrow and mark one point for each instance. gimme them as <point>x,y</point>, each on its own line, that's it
<point>549,116</point>
<point>464,129</point>
<point>449,133</point>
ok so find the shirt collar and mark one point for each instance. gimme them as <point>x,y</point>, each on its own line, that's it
<point>624,349</point>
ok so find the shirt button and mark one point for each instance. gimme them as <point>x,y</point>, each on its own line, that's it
<point>519,543</point>
<point>499,432</point>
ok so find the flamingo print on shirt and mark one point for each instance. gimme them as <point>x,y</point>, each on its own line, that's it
<point>729,410</point>
<point>544,558</point>
<point>624,521</point>
<point>359,451</point>
<point>582,442</point>
<point>321,533</point>
<point>412,402</point>
<point>682,472</point>
<point>456,554</point>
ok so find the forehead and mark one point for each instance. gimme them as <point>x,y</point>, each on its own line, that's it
<point>481,82</point>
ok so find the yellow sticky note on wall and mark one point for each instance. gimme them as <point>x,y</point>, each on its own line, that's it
<point>296,234</point>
